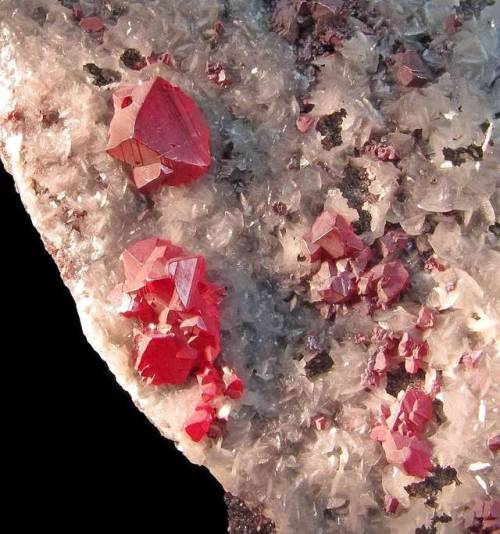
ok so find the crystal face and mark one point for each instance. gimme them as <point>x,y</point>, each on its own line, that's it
<point>369,127</point>
<point>161,133</point>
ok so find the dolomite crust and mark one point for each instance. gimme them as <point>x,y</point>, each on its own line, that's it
<point>370,350</point>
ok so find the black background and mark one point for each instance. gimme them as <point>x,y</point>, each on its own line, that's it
<point>80,453</point>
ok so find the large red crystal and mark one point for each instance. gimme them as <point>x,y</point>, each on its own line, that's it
<point>178,336</point>
<point>160,132</point>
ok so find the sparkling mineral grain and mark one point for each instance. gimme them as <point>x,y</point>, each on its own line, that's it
<point>161,133</point>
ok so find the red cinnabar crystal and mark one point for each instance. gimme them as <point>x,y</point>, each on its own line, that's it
<point>161,133</point>
<point>391,504</point>
<point>198,425</point>
<point>385,282</point>
<point>167,292</point>
<point>335,236</point>
<point>401,433</point>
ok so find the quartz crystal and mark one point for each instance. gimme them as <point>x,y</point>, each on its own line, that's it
<point>317,319</point>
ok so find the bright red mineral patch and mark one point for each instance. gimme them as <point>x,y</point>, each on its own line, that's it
<point>161,133</point>
<point>178,332</point>
<point>344,274</point>
<point>401,432</point>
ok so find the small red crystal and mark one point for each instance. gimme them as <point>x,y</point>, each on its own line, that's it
<point>92,24</point>
<point>409,69</point>
<point>198,425</point>
<point>414,351</point>
<point>391,504</point>
<point>321,422</point>
<point>304,123</point>
<point>219,74</point>
<point>426,318</point>
<point>335,236</point>
<point>210,382</point>
<point>161,133</point>
<point>392,243</point>
<point>234,387</point>
<point>494,443</point>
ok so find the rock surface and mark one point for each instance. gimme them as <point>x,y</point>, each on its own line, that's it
<point>368,373</point>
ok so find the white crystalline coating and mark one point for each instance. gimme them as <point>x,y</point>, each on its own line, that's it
<point>87,212</point>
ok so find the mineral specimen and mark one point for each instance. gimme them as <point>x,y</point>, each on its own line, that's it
<point>346,378</point>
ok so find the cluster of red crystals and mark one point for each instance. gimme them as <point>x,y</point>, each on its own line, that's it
<point>382,359</point>
<point>414,350</point>
<point>346,272</point>
<point>219,74</point>
<point>433,264</point>
<point>381,151</point>
<point>391,349</point>
<point>161,133</point>
<point>178,333</point>
<point>401,432</point>
<point>483,518</point>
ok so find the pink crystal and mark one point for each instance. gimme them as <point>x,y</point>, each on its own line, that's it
<point>92,24</point>
<point>414,351</point>
<point>470,360</point>
<point>304,123</point>
<point>392,243</point>
<point>385,282</point>
<point>161,133</point>
<point>391,504</point>
<point>483,518</point>
<point>401,433</point>
<point>333,286</point>
<point>335,236</point>
<point>426,318</point>
<point>409,69</point>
